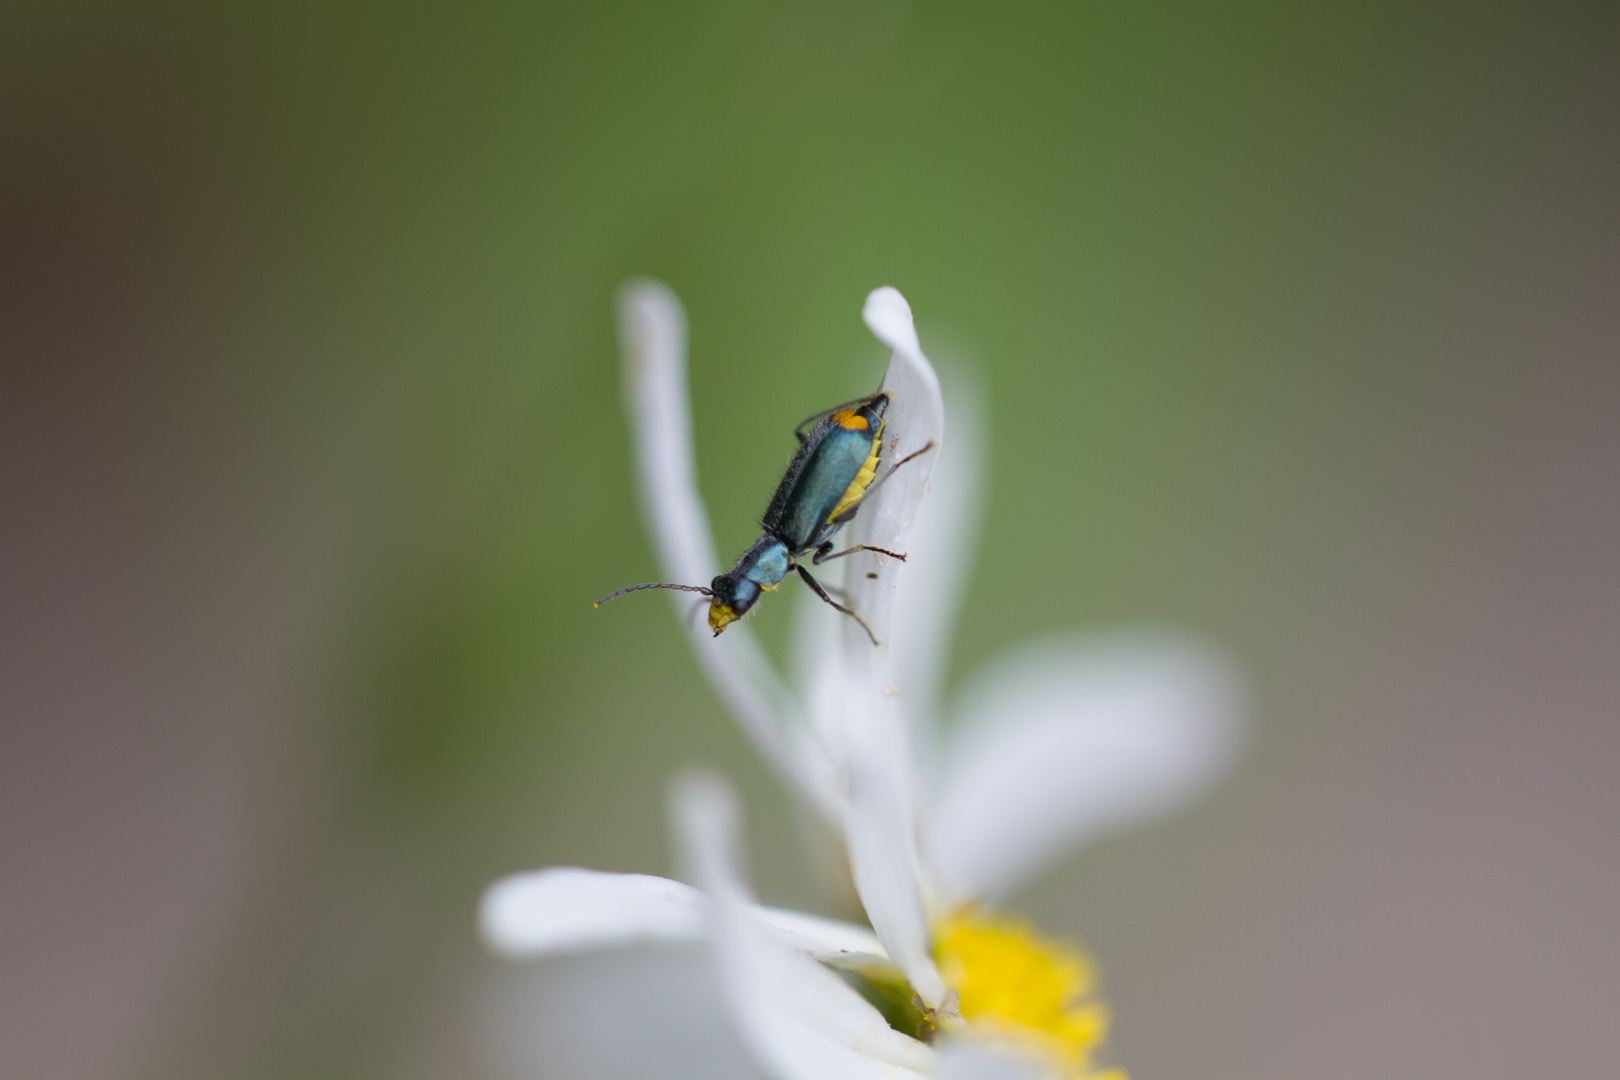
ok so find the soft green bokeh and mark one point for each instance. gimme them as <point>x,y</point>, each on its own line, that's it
<point>1231,276</point>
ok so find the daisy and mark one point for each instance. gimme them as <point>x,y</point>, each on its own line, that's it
<point>1059,740</point>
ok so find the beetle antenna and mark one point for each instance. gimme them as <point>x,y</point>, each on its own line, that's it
<point>655,585</point>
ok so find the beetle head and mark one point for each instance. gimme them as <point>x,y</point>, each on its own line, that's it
<point>734,594</point>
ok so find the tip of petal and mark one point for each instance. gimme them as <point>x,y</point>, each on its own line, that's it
<point>649,297</point>
<point>651,323</point>
<point>517,915</point>
<point>888,316</point>
<point>707,830</point>
<point>564,909</point>
<point>496,917</point>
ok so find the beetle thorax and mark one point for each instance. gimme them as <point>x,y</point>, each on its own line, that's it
<point>762,566</point>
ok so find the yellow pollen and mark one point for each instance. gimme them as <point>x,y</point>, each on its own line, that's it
<point>1019,987</point>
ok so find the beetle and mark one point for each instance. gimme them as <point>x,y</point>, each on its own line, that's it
<point>833,472</point>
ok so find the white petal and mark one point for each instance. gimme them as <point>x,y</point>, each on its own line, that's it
<point>820,668</point>
<point>1068,737</point>
<point>630,1014</point>
<point>800,1019</point>
<point>881,835</point>
<point>888,316</point>
<point>940,551</point>
<point>875,740</point>
<point>914,419</point>
<point>652,340</point>
<point>652,337</point>
<point>976,1059</point>
<point>564,909</point>
<point>824,939</point>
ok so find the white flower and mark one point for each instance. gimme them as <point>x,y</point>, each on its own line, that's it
<point>1058,741</point>
<point>793,1012</point>
<point>787,979</point>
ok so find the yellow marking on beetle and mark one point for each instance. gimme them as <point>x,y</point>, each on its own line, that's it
<point>850,420</point>
<point>857,487</point>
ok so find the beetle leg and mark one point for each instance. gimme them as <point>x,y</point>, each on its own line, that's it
<point>836,590</point>
<point>825,552</point>
<point>815,587</point>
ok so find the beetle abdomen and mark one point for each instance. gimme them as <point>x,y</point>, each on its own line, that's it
<point>817,483</point>
<point>863,479</point>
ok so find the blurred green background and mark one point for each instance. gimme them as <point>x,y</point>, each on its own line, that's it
<point>1299,327</point>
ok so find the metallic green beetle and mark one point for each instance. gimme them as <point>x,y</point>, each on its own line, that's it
<point>834,471</point>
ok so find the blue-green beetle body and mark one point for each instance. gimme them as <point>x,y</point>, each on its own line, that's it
<point>833,471</point>
<point>837,460</point>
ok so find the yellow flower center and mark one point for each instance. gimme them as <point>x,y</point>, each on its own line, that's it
<point>1024,989</point>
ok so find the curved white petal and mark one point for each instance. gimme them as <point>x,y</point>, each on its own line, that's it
<point>888,316</point>
<point>914,419</point>
<point>1065,738</point>
<point>801,1020</point>
<point>976,1059</point>
<point>824,939</point>
<point>652,342</point>
<point>881,837</point>
<point>564,909</point>
<point>629,1014</point>
<point>820,669</point>
<point>652,338</point>
<point>940,550</point>
<point>875,739</point>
